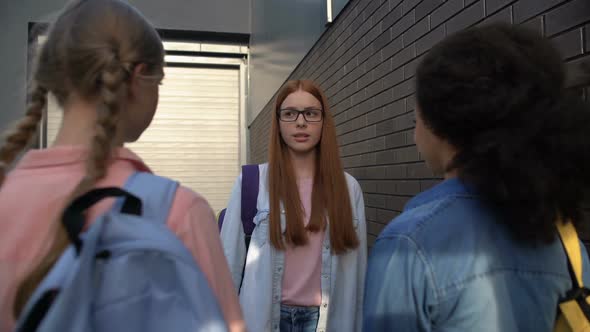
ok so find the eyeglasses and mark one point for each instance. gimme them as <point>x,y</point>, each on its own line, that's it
<point>310,115</point>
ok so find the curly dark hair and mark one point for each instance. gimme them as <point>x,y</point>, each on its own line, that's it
<point>497,94</point>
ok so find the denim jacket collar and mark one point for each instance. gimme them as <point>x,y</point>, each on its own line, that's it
<point>449,187</point>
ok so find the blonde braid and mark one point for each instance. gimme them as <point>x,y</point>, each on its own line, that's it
<point>112,91</point>
<point>25,130</point>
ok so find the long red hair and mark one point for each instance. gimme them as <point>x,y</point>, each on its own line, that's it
<point>329,197</point>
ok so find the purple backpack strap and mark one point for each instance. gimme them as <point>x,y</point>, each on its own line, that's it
<point>250,179</point>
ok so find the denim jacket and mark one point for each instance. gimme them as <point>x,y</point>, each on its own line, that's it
<point>342,282</point>
<point>447,264</point>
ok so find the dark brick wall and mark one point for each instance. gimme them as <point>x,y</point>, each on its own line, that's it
<point>366,63</point>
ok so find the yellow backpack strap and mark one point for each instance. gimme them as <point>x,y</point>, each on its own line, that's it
<point>575,308</point>
<point>571,243</point>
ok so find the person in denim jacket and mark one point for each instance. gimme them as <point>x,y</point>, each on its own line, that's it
<point>305,264</point>
<point>480,251</point>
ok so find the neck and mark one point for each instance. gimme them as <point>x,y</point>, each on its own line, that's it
<point>303,164</point>
<point>448,156</point>
<point>451,174</point>
<point>78,126</point>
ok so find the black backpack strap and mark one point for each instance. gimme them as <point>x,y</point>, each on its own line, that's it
<point>250,181</point>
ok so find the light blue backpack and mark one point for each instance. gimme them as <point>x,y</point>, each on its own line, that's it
<point>127,272</point>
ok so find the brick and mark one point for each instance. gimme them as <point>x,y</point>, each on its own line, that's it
<point>392,48</point>
<point>419,171</point>
<point>403,24</point>
<point>370,9</point>
<point>403,122</point>
<point>368,159</point>
<point>570,43</point>
<point>374,228</point>
<point>466,18</point>
<point>395,3</point>
<point>426,7</point>
<point>416,31</point>
<point>351,65</point>
<point>536,24</point>
<point>386,187</point>
<point>375,116</point>
<point>356,23</point>
<point>503,16</point>
<point>410,103</point>
<point>493,6</point>
<point>408,5</point>
<point>396,140</point>
<point>396,203</point>
<point>383,39</point>
<point>525,9</point>
<point>575,73</point>
<point>394,109</point>
<point>358,72</point>
<point>391,18</point>
<point>381,12</point>
<point>433,37</point>
<point>393,78</point>
<point>395,171</point>
<point>365,80</point>
<point>354,161</point>
<point>383,128</point>
<point>366,106</point>
<point>406,155</point>
<point>410,67</point>
<point>386,215</point>
<point>446,11</point>
<point>363,30</point>
<point>376,200</point>
<point>374,60</point>
<point>374,88</point>
<point>407,187</point>
<point>377,144</point>
<point>365,54</point>
<point>403,57</point>
<point>567,16</point>
<point>345,104</point>
<point>383,98</point>
<point>369,186</point>
<point>374,32</point>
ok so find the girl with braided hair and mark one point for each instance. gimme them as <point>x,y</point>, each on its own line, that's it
<point>103,61</point>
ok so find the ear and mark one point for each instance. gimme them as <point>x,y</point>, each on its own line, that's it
<point>135,80</point>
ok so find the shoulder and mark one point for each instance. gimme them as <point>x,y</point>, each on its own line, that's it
<point>437,223</point>
<point>353,184</point>
<point>189,206</point>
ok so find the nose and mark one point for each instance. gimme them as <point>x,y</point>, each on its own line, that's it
<point>301,122</point>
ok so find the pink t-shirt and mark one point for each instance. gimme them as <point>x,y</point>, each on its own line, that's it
<point>34,193</point>
<point>303,265</point>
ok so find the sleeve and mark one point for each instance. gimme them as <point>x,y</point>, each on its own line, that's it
<point>399,289</point>
<point>199,232</point>
<point>232,234</point>
<point>359,205</point>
